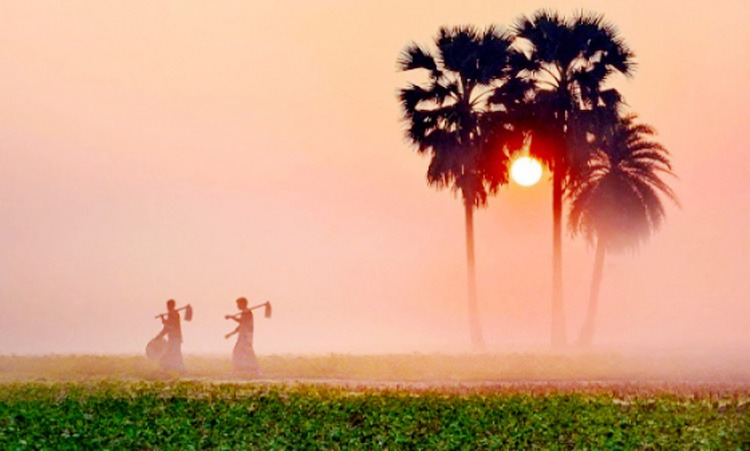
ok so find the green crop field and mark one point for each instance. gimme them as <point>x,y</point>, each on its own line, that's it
<point>193,414</point>
<point>92,402</point>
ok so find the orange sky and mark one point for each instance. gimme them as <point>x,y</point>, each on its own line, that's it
<point>208,150</point>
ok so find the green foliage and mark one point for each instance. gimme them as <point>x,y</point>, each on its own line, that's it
<point>198,415</point>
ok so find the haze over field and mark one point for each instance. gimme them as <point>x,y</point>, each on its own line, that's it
<point>202,152</point>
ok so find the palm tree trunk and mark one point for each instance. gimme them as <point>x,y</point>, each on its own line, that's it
<point>587,331</point>
<point>558,313</point>
<point>475,327</point>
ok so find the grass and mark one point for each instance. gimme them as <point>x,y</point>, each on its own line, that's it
<point>371,402</point>
<point>440,368</point>
<point>198,415</point>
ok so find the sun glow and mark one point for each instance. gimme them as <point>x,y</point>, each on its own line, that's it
<point>526,171</point>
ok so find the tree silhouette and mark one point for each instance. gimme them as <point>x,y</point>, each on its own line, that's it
<point>616,202</point>
<point>569,61</point>
<point>460,116</point>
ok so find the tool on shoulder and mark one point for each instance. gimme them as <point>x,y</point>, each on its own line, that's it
<point>236,316</point>
<point>266,312</point>
<point>188,312</point>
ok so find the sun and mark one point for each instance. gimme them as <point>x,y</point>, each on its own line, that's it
<point>526,171</point>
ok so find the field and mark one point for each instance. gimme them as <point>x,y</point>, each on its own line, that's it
<point>414,401</point>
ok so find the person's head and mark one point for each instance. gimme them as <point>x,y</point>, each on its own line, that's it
<point>241,303</point>
<point>170,305</point>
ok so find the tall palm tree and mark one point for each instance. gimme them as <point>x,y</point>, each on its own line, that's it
<point>616,202</point>
<point>449,117</point>
<point>569,60</point>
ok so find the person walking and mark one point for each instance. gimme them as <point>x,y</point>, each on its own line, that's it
<point>243,355</point>
<point>171,359</point>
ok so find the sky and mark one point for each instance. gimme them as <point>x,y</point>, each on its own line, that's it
<point>204,151</point>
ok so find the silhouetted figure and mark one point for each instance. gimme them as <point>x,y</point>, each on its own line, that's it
<point>171,359</point>
<point>243,355</point>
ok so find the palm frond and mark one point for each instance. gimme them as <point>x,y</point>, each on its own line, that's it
<point>458,47</point>
<point>412,96</point>
<point>463,116</point>
<point>421,123</point>
<point>572,59</point>
<point>618,197</point>
<point>600,39</point>
<point>493,55</point>
<point>649,177</point>
<point>651,203</point>
<point>413,56</point>
<point>515,91</point>
<point>657,156</point>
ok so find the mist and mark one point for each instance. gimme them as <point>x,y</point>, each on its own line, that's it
<point>206,152</point>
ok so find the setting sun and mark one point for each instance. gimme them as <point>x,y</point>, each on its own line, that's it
<point>526,171</point>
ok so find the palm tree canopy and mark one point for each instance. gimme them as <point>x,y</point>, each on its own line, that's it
<point>569,61</point>
<point>450,116</point>
<point>617,199</point>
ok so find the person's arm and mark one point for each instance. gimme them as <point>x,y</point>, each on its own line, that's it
<point>234,317</point>
<point>168,323</point>
<point>232,332</point>
<point>164,330</point>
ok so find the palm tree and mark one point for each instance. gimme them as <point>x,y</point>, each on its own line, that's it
<point>616,202</point>
<point>449,117</point>
<point>569,60</point>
